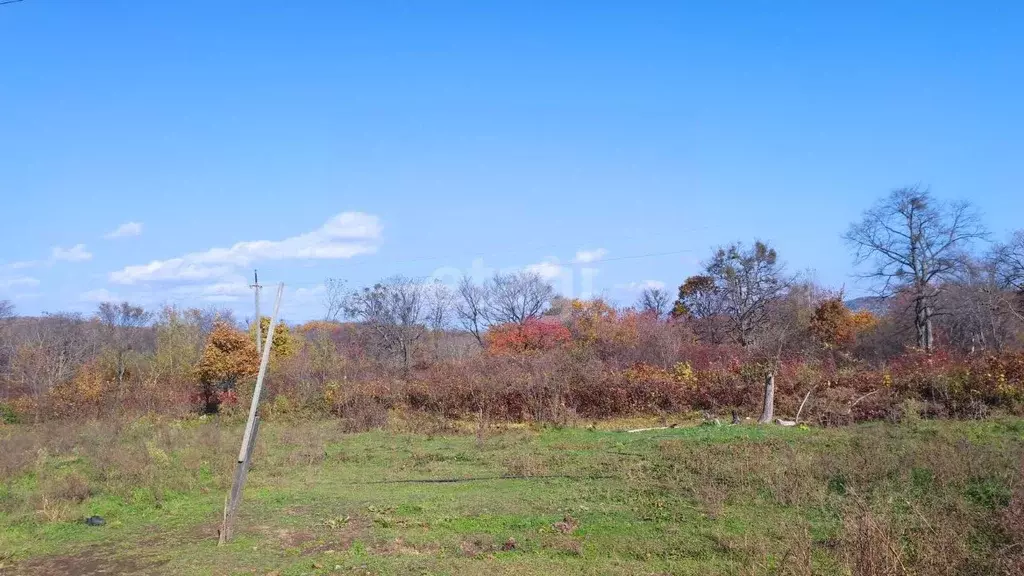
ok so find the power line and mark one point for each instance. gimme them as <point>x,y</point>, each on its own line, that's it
<point>2,2</point>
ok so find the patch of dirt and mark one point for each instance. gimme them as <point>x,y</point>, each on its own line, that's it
<point>477,546</point>
<point>190,535</point>
<point>293,538</point>
<point>92,561</point>
<point>340,537</point>
<point>568,525</point>
<point>399,547</point>
<point>299,510</point>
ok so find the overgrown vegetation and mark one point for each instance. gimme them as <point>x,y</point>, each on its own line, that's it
<point>946,335</point>
<point>921,497</point>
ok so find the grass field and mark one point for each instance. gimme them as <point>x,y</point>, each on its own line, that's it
<point>922,498</point>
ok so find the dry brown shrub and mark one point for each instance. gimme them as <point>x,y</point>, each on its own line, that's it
<point>870,545</point>
<point>477,545</point>
<point>524,465</point>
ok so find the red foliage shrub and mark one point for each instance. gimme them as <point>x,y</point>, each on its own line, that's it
<point>531,336</point>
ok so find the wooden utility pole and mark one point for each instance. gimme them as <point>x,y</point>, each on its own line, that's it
<point>251,427</point>
<point>259,321</point>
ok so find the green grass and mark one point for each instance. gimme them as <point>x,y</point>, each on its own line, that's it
<point>696,500</point>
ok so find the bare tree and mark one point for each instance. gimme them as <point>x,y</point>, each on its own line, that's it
<point>913,243</point>
<point>120,324</point>
<point>395,310</point>
<point>655,301</point>
<point>335,294</point>
<point>747,281</point>
<point>518,296</point>
<point>440,301</point>
<point>51,349</point>
<point>6,342</point>
<point>1008,260</point>
<point>472,307</point>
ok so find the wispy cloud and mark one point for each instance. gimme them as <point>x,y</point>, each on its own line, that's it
<point>125,230</point>
<point>641,286</point>
<point>24,264</point>
<point>588,256</point>
<point>230,289</point>
<point>548,269</point>
<point>18,281</point>
<point>343,236</point>
<point>76,253</point>
<point>98,295</point>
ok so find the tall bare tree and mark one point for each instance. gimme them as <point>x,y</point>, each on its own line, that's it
<point>1008,261</point>
<point>6,342</point>
<point>913,242</point>
<point>472,307</point>
<point>518,296</point>
<point>655,301</point>
<point>120,324</point>
<point>335,294</point>
<point>395,310</point>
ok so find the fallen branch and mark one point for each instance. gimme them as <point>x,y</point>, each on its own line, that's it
<point>801,409</point>
<point>649,429</point>
<point>857,401</point>
<point>480,478</point>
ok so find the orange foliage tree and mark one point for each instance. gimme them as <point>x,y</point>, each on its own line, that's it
<point>229,356</point>
<point>836,327</point>
<point>533,335</point>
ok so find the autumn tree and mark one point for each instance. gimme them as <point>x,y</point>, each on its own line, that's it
<point>284,343</point>
<point>739,284</point>
<point>701,303</point>
<point>514,297</point>
<point>913,242</point>
<point>534,335</point>
<point>229,357</point>
<point>741,287</point>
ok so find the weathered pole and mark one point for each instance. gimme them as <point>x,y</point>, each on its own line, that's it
<point>251,428</point>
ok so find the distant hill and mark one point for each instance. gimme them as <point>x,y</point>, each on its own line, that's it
<point>877,305</point>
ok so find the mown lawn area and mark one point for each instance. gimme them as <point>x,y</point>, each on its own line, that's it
<point>926,497</point>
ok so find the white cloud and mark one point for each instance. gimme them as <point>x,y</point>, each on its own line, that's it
<point>125,230</point>
<point>307,293</point>
<point>230,289</point>
<point>99,295</point>
<point>343,236</point>
<point>548,270</point>
<point>24,264</point>
<point>19,281</point>
<point>76,253</point>
<point>641,286</point>
<point>588,256</point>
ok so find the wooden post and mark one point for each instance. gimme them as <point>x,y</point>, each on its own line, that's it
<point>251,428</point>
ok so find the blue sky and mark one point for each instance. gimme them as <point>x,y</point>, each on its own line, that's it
<point>364,139</point>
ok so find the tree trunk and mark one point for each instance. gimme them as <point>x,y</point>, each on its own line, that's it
<point>928,337</point>
<point>923,324</point>
<point>769,399</point>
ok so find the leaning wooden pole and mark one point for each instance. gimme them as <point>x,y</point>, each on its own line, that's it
<point>234,497</point>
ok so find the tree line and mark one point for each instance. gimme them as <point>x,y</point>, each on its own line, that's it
<point>721,341</point>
